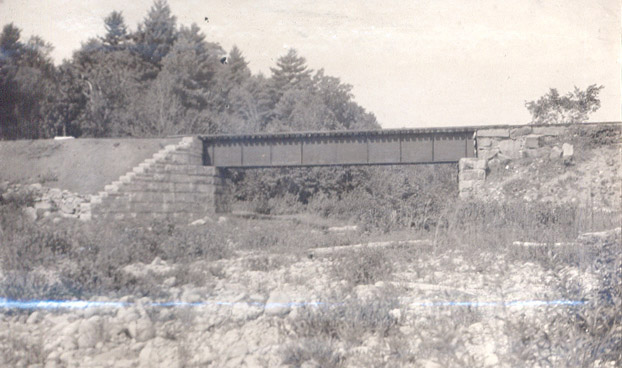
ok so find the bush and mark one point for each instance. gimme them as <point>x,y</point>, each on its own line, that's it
<point>366,265</point>
<point>323,352</point>
<point>577,336</point>
<point>382,198</point>
<point>33,247</point>
<point>350,321</point>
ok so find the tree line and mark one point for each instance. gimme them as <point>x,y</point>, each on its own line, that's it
<point>161,79</point>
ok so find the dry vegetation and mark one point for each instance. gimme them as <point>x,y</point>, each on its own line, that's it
<point>287,290</point>
<point>364,315</point>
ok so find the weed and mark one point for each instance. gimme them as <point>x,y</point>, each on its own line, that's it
<point>323,352</point>
<point>265,263</point>
<point>366,265</point>
<point>17,351</point>
<point>350,321</point>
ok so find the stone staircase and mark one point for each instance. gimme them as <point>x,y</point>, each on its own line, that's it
<point>172,185</point>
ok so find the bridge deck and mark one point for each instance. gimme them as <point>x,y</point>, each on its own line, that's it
<point>375,147</point>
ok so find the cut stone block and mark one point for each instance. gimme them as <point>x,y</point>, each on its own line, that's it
<point>519,132</point>
<point>510,148</point>
<point>465,184</point>
<point>549,130</point>
<point>472,175</point>
<point>532,141</point>
<point>484,142</point>
<point>499,133</point>
<point>470,163</point>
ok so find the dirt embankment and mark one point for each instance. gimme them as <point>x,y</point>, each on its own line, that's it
<point>591,176</point>
<point>82,166</point>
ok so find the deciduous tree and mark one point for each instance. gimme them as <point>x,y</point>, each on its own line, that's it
<point>573,107</point>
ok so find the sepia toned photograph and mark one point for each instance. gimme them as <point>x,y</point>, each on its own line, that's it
<point>310,184</point>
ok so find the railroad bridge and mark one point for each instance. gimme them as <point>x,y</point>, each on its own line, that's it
<point>373,147</point>
<point>186,180</point>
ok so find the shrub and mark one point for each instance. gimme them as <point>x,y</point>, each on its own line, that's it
<point>582,335</point>
<point>382,198</point>
<point>18,351</point>
<point>350,321</point>
<point>265,263</point>
<point>191,243</point>
<point>23,285</point>
<point>323,352</point>
<point>366,265</point>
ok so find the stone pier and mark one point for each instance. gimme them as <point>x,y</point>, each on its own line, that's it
<point>173,185</point>
<point>471,176</point>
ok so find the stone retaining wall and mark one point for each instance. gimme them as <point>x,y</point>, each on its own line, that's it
<point>500,145</point>
<point>172,185</point>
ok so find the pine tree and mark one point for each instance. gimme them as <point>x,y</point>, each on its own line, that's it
<point>238,66</point>
<point>116,30</point>
<point>157,33</point>
<point>291,72</point>
<point>10,45</point>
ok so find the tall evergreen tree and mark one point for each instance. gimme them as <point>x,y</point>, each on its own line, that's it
<point>157,33</point>
<point>71,101</point>
<point>182,93</point>
<point>116,30</point>
<point>291,72</point>
<point>10,45</point>
<point>27,83</point>
<point>238,66</point>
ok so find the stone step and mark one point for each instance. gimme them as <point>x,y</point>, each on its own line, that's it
<point>147,186</point>
<point>177,178</point>
<point>176,217</point>
<point>187,158</point>
<point>182,169</point>
<point>163,197</point>
<point>153,207</point>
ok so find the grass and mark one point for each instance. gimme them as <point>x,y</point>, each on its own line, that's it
<point>82,165</point>
<point>362,266</point>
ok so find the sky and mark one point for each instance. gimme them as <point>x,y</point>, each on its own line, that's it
<point>413,63</point>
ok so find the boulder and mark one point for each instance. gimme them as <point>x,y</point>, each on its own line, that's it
<point>128,315</point>
<point>278,304</point>
<point>245,312</point>
<point>191,295</point>
<point>143,329</point>
<point>34,318</point>
<point>556,153</point>
<point>31,213</point>
<point>90,332</point>
<point>159,352</point>
<point>43,205</point>
<point>567,150</point>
